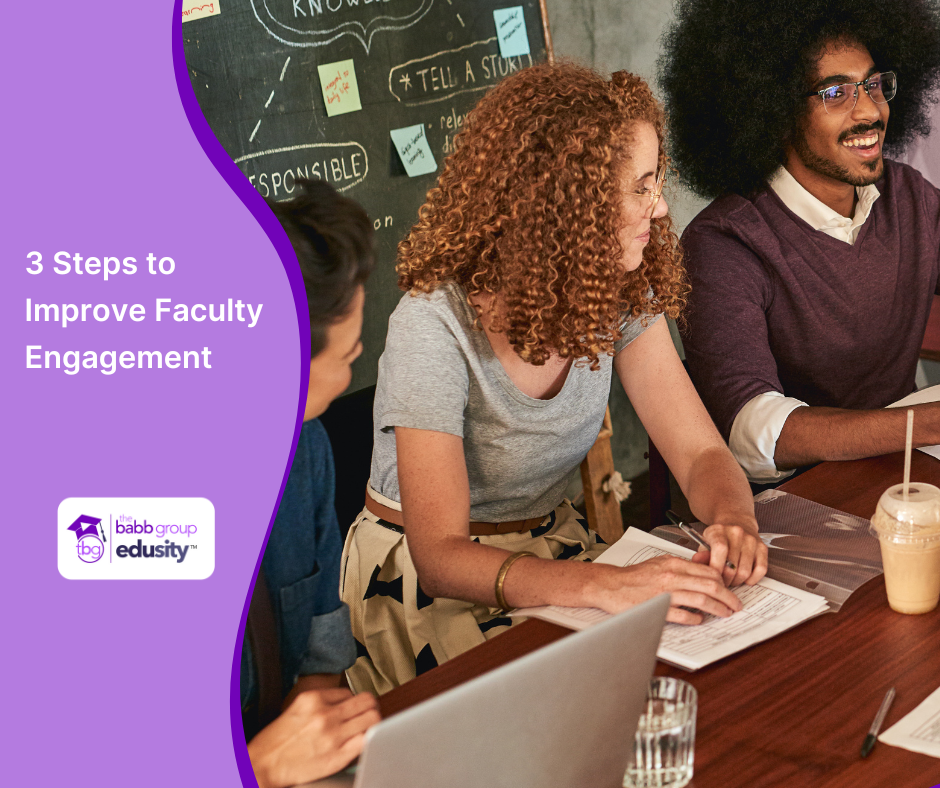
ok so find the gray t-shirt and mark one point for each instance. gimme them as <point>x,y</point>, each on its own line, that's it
<point>439,373</point>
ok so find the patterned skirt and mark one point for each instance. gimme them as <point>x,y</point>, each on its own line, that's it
<point>400,631</point>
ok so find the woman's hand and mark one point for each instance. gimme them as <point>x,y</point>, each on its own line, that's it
<point>436,504</point>
<point>682,430</point>
<point>741,546</point>
<point>321,732</point>
<point>691,584</point>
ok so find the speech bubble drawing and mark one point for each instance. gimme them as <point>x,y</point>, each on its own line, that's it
<point>313,23</point>
<point>342,164</point>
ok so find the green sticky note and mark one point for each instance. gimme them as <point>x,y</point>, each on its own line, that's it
<point>412,145</point>
<point>340,89</point>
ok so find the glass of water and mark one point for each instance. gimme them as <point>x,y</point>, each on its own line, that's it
<point>664,748</point>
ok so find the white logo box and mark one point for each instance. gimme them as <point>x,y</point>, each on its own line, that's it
<point>143,539</point>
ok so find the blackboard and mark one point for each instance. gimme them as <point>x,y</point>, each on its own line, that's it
<point>254,70</point>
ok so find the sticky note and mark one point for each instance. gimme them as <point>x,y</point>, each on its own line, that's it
<point>511,32</point>
<point>412,145</point>
<point>197,9</point>
<point>340,89</point>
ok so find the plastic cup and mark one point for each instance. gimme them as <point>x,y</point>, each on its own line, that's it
<point>664,745</point>
<point>909,532</point>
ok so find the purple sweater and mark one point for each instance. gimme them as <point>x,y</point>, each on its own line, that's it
<point>779,306</point>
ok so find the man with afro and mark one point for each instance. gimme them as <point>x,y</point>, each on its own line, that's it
<point>814,269</point>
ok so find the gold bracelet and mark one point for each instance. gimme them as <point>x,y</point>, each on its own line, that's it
<point>501,577</point>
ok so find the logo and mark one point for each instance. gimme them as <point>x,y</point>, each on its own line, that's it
<point>136,539</point>
<point>90,545</point>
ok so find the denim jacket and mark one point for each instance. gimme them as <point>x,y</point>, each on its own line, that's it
<point>301,562</point>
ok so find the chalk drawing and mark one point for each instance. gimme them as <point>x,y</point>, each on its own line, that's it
<point>267,103</point>
<point>296,36</point>
<point>349,147</point>
<point>403,78</point>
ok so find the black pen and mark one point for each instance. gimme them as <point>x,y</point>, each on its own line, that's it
<point>872,736</point>
<point>692,534</point>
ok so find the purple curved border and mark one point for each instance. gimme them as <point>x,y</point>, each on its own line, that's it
<point>255,203</point>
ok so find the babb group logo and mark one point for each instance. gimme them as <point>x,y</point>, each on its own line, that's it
<point>136,538</point>
<point>90,546</point>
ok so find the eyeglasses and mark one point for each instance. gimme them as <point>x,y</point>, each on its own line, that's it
<point>653,194</point>
<point>839,99</point>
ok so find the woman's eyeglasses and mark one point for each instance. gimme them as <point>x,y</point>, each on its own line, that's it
<point>653,194</point>
<point>839,99</point>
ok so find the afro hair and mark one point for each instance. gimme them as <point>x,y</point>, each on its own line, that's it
<point>735,74</point>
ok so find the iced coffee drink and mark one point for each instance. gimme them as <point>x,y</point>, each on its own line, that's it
<point>909,532</point>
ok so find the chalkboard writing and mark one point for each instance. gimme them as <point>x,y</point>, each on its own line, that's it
<point>386,65</point>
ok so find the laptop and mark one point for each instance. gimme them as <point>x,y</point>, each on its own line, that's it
<point>563,716</point>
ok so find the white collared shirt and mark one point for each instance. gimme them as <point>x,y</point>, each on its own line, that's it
<point>758,425</point>
<point>816,213</point>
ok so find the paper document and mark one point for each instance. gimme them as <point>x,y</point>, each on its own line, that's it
<point>919,731</point>
<point>811,546</point>
<point>769,609</point>
<point>929,394</point>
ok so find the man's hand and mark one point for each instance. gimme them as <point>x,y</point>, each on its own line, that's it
<point>740,546</point>
<point>321,732</point>
<point>691,584</point>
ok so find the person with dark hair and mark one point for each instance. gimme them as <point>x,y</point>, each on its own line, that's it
<point>332,237</point>
<point>814,270</point>
<point>322,727</point>
<point>542,260</point>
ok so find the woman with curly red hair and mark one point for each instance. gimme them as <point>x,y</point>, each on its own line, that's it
<point>542,260</point>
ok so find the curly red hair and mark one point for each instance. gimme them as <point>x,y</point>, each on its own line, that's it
<point>529,208</point>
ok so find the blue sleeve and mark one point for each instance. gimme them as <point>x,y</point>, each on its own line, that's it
<point>301,563</point>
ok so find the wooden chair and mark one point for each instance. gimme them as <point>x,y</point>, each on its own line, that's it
<point>261,631</point>
<point>602,506</point>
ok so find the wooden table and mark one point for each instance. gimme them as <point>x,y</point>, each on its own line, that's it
<point>792,711</point>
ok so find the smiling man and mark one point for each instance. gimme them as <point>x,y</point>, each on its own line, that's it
<point>814,270</point>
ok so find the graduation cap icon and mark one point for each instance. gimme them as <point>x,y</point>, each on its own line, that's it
<point>91,526</point>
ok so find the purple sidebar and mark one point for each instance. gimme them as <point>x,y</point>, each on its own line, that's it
<point>109,156</point>
<point>259,209</point>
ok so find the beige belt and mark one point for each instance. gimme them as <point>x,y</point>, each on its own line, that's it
<point>394,516</point>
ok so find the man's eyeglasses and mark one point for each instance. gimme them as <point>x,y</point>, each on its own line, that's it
<point>653,194</point>
<point>839,99</point>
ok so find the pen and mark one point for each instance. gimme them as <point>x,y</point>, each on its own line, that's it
<point>872,736</point>
<point>692,534</point>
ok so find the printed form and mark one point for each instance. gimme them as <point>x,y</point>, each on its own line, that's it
<point>919,731</point>
<point>770,608</point>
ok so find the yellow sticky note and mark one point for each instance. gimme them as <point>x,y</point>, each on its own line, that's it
<point>197,9</point>
<point>340,90</point>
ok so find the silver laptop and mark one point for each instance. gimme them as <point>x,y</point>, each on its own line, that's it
<point>561,717</point>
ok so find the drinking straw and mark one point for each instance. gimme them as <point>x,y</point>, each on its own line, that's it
<point>907,451</point>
